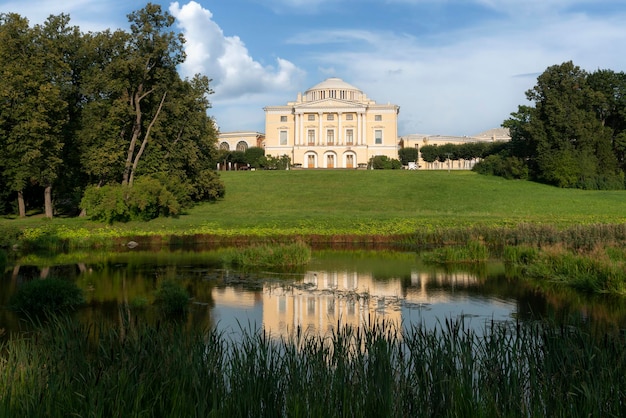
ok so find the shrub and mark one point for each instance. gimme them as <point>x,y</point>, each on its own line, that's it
<point>49,295</point>
<point>171,297</point>
<point>382,162</point>
<point>407,155</point>
<point>147,199</point>
<point>106,203</point>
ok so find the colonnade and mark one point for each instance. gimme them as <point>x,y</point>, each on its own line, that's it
<point>301,136</point>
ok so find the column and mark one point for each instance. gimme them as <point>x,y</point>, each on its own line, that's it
<point>339,133</point>
<point>358,129</point>
<point>319,135</point>
<point>297,129</point>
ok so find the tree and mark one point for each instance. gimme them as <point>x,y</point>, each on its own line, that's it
<point>33,113</point>
<point>407,155</point>
<point>563,138</point>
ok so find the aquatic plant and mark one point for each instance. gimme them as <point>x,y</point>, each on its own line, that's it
<point>266,255</point>
<point>171,297</point>
<point>46,296</point>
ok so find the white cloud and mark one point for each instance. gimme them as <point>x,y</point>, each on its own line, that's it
<point>226,60</point>
<point>242,85</point>
<point>467,81</point>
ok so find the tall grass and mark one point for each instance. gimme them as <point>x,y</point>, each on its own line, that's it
<point>279,255</point>
<point>601,270</point>
<point>517,370</point>
<point>473,252</point>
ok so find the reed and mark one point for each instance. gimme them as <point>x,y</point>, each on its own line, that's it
<point>514,370</point>
<point>602,270</point>
<point>473,252</point>
<point>281,255</point>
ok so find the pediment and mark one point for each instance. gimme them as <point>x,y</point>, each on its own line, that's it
<point>329,103</point>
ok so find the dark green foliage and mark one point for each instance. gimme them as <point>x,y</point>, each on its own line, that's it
<point>253,156</point>
<point>572,137</point>
<point>498,165</point>
<point>382,162</point>
<point>101,108</point>
<point>407,155</point>
<point>171,297</point>
<point>208,187</point>
<point>47,295</point>
<point>3,260</point>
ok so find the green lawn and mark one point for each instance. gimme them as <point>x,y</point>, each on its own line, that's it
<point>368,202</point>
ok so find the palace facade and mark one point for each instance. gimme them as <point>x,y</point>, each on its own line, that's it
<point>332,125</point>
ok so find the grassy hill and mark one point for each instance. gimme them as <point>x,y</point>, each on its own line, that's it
<point>355,202</point>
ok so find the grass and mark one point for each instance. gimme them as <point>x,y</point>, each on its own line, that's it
<point>518,370</point>
<point>350,205</point>
<point>339,206</point>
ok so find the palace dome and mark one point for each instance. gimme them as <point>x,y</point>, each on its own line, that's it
<point>334,88</point>
<point>333,83</point>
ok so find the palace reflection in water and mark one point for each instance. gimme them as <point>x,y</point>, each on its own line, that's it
<point>325,300</point>
<point>339,288</point>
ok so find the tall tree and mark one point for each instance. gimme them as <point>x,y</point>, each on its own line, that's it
<point>147,70</point>
<point>32,113</point>
<point>561,137</point>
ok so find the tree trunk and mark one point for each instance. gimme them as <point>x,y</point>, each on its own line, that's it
<point>135,101</point>
<point>145,142</point>
<point>20,204</point>
<point>48,201</point>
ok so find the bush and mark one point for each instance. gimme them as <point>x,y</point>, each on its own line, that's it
<point>507,167</point>
<point>382,162</point>
<point>407,155</point>
<point>106,203</point>
<point>253,155</point>
<point>147,199</point>
<point>49,295</point>
<point>208,187</point>
<point>172,298</point>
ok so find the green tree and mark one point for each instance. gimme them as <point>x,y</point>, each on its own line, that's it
<point>33,113</point>
<point>407,155</point>
<point>562,138</point>
<point>252,156</point>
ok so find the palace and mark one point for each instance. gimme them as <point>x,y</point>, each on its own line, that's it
<point>332,125</point>
<point>335,125</point>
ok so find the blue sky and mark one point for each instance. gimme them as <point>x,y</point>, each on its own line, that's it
<point>455,67</point>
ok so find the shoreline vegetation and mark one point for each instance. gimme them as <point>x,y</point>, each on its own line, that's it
<point>66,368</point>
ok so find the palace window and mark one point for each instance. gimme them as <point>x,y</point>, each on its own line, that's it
<point>283,137</point>
<point>311,136</point>
<point>330,137</point>
<point>378,136</point>
<point>349,136</point>
<point>242,146</point>
<point>283,118</point>
<point>349,116</point>
<point>224,145</point>
<point>378,118</point>
<point>311,117</point>
<point>330,116</point>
